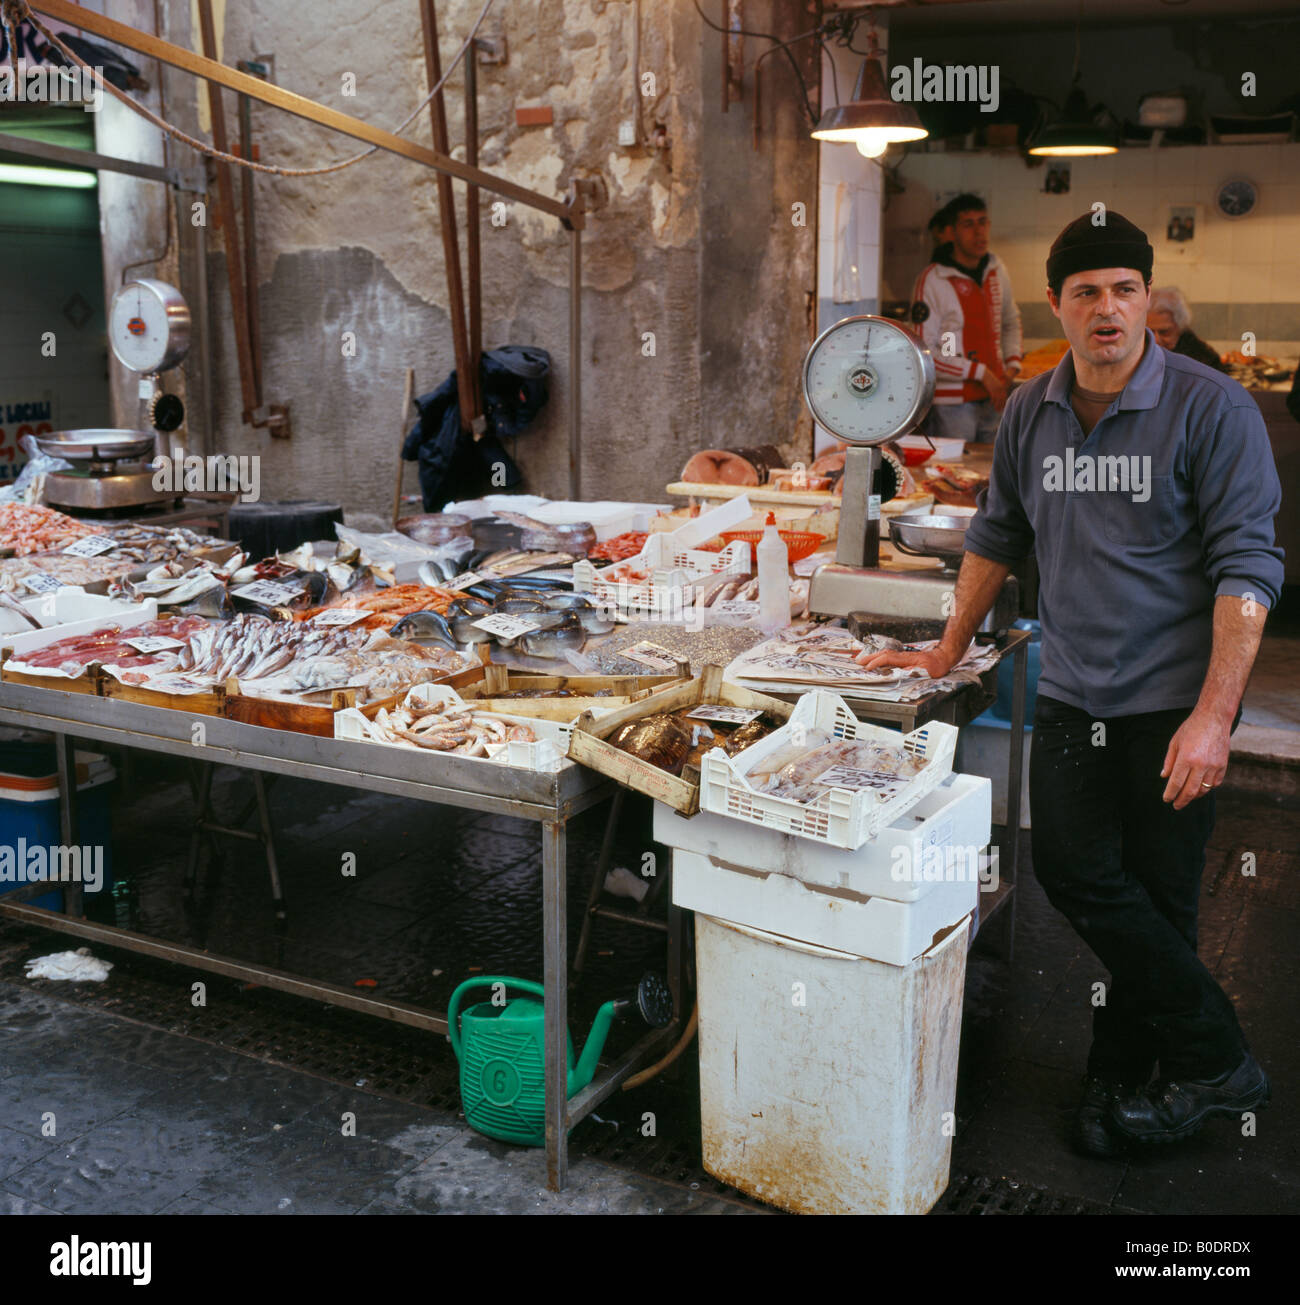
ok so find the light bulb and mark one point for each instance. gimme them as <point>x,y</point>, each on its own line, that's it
<point>872,144</point>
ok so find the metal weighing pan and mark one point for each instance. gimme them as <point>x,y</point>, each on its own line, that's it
<point>96,445</point>
<point>924,535</point>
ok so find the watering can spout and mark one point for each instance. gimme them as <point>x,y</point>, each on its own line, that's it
<point>585,1070</point>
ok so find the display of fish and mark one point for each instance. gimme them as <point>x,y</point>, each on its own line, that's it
<point>882,768</point>
<point>448,727</point>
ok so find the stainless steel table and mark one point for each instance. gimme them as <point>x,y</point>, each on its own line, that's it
<point>550,799</point>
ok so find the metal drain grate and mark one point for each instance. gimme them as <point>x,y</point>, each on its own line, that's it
<point>980,1195</point>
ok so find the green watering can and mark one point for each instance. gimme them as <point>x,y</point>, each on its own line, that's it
<point>502,1053</point>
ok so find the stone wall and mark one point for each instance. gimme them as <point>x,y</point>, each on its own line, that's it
<point>694,246</point>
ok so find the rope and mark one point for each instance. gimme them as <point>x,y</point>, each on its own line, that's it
<point>13,12</point>
<point>22,10</point>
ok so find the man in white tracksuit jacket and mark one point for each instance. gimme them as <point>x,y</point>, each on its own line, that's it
<point>966,315</point>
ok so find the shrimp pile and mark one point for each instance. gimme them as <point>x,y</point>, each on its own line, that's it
<point>445,727</point>
<point>33,529</point>
<point>388,606</point>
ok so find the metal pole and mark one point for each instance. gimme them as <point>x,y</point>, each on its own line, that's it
<point>575,359</point>
<point>556,1002</point>
<point>473,256</point>
<point>65,755</point>
<point>1015,764</point>
<point>466,372</point>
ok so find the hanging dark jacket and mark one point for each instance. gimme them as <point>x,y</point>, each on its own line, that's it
<point>453,465</point>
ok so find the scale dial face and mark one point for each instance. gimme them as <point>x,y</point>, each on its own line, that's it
<point>149,326</point>
<point>867,380</point>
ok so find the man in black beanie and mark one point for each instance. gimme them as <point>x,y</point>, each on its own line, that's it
<point>1145,483</point>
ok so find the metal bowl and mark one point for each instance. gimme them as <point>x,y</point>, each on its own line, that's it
<point>95,445</point>
<point>926,535</point>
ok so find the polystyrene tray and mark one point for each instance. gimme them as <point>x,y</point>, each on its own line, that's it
<point>841,817</point>
<point>547,754</point>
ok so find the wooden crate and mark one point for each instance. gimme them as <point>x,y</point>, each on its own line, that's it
<point>209,703</point>
<point>315,714</point>
<point>86,682</point>
<point>622,690</point>
<point>589,747</point>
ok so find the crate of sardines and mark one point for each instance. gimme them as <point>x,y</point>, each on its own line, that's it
<point>827,775</point>
<point>560,697</point>
<point>435,718</point>
<point>655,745</point>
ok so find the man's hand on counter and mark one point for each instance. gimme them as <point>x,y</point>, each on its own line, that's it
<point>936,662</point>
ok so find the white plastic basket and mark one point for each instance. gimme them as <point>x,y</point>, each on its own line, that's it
<point>675,574</point>
<point>840,817</point>
<point>549,753</point>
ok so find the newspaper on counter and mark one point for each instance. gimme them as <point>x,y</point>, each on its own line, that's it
<point>812,655</point>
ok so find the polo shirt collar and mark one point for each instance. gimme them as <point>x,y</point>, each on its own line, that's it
<point>1142,390</point>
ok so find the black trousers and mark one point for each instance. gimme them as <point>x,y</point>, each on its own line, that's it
<point>1125,869</point>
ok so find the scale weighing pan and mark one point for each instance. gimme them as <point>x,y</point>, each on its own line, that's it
<point>96,445</point>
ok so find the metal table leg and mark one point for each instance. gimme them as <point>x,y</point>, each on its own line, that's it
<point>555,937</point>
<point>1015,768</point>
<point>65,756</point>
<point>598,880</point>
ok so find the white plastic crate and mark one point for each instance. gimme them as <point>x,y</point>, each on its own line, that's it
<point>675,573</point>
<point>65,605</point>
<point>548,753</point>
<point>123,615</point>
<point>941,838</point>
<point>841,817</point>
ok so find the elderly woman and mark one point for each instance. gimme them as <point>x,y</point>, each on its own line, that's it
<point>1170,320</point>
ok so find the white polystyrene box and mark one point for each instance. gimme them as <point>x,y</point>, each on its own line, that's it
<point>944,835</point>
<point>875,927</point>
<point>828,1081</point>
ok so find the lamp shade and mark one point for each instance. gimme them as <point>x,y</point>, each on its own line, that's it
<point>1075,135</point>
<point>871,116</point>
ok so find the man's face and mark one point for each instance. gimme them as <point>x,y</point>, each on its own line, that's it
<point>1162,324</point>
<point>970,234</point>
<point>1103,314</point>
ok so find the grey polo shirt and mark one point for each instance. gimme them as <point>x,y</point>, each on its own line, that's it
<point>1137,527</point>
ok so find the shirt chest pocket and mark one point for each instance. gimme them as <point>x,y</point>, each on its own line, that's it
<point>1148,522</point>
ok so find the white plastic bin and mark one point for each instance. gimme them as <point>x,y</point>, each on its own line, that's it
<point>943,836</point>
<point>827,1080</point>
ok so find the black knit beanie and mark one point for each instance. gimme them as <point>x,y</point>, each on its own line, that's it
<point>1085,245</point>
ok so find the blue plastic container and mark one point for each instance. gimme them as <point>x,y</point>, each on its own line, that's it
<point>29,818</point>
<point>999,714</point>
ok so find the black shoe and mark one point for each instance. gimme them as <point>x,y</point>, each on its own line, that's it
<point>1169,1112</point>
<point>1090,1133</point>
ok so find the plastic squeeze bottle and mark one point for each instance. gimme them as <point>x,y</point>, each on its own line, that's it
<point>773,581</point>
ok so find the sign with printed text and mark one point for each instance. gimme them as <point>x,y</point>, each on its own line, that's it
<point>42,583</point>
<point>851,777</point>
<point>151,643</point>
<point>267,592</point>
<point>651,655</point>
<point>736,607</point>
<point>726,715</point>
<point>340,616</point>
<point>506,627</point>
<point>90,546</point>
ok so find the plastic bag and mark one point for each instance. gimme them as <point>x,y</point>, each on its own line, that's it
<point>30,485</point>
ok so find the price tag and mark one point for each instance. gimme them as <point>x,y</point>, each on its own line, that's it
<point>90,546</point>
<point>873,507</point>
<point>266,592</point>
<point>506,627</point>
<point>850,777</point>
<point>463,581</point>
<point>651,655</point>
<point>177,683</point>
<point>42,583</point>
<point>736,607</point>
<point>340,616</point>
<point>148,643</point>
<point>727,715</point>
